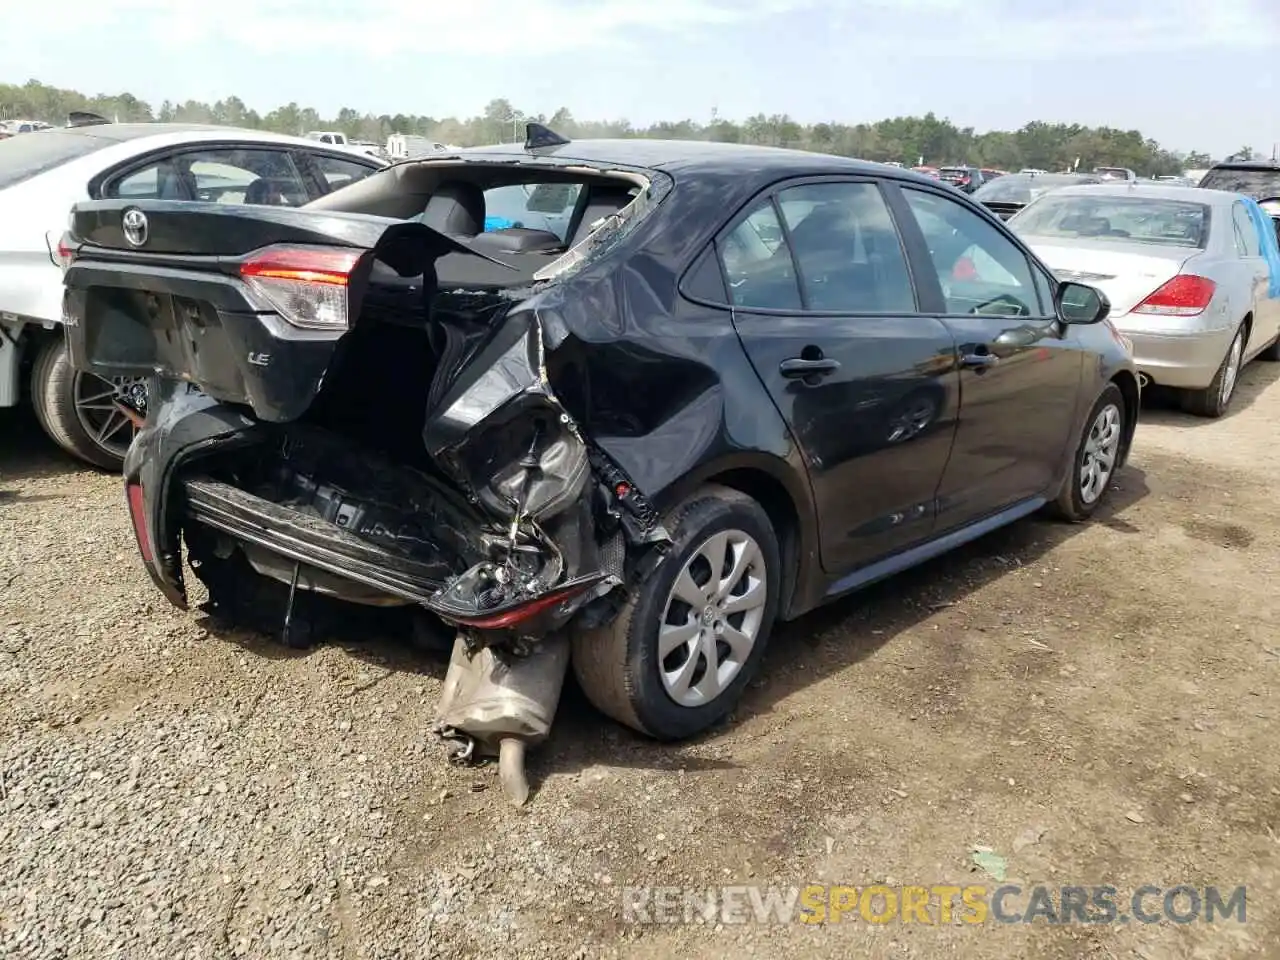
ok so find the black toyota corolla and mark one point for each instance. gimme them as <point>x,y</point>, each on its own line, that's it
<point>697,389</point>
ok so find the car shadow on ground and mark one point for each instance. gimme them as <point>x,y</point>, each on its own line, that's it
<point>801,652</point>
<point>27,454</point>
<point>1160,404</point>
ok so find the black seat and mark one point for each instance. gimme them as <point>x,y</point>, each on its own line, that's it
<point>455,208</point>
<point>601,202</point>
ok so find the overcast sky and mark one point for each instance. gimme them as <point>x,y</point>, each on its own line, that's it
<point>1193,74</point>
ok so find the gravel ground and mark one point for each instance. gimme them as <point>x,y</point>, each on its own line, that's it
<point>1094,703</point>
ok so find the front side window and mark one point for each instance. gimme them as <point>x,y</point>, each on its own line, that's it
<point>254,176</point>
<point>980,270</point>
<point>847,249</point>
<point>757,263</point>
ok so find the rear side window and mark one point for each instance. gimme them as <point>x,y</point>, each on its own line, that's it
<point>847,249</point>
<point>757,263</point>
<point>29,154</point>
<point>255,176</point>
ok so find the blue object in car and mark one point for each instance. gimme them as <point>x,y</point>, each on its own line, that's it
<point>497,223</point>
<point>1270,246</point>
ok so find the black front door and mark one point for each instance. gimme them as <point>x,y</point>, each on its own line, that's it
<point>1020,369</point>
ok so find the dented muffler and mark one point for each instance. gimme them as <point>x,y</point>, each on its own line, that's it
<point>498,702</point>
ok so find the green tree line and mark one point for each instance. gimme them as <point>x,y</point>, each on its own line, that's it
<point>908,140</point>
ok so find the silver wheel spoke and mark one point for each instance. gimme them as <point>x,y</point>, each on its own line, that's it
<point>739,643</point>
<point>753,597</point>
<point>687,589</point>
<point>671,637</point>
<point>744,554</point>
<point>715,550</point>
<point>678,681</point>
<point>709,684</point>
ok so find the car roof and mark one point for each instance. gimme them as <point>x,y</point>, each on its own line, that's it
<point>692,155</point>
<point>1247,165</point>
<point>1152,191</point>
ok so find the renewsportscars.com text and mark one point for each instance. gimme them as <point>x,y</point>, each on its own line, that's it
<point>934,904</point>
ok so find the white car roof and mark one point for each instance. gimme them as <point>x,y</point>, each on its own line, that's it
<point>1151,191</point>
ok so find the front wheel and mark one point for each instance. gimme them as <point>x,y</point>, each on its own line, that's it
<point>1096,459</point>
<point>678,655</point>
<point>80,411</point>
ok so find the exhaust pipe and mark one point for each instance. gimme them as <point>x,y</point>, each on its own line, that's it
<point>498,704</point>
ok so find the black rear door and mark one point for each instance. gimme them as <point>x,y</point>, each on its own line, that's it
<point>824,304</point>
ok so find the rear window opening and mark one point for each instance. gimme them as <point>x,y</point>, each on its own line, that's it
<point>543,220</point>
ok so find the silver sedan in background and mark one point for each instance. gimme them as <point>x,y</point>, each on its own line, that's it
<point>1184,270</point>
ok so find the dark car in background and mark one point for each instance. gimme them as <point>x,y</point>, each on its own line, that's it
<point>1007,195</point>
<point>1258,179</point>
<point>967,179</point>
<point>644,428</point>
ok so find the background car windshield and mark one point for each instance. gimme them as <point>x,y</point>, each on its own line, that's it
<point>29,154</point>
<point>1258,184</point>
<point>546,206</point>
<point>1020,188</point>
<point>1147,220</point>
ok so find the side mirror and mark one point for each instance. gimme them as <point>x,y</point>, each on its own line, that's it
<point>1080,303</point>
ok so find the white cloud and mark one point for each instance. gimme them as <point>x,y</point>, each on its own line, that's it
<point>995,29</point>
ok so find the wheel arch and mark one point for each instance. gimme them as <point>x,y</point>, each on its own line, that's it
<point>785,498</point>
<point>1127,383</point>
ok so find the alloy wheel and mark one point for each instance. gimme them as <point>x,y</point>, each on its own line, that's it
<point>1101,451</point>
<point>712,618</point>
<point>97,406</point>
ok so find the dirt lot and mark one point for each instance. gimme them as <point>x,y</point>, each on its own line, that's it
<point>1096,704</point>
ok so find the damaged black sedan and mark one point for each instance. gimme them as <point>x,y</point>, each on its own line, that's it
<point>674,393</point>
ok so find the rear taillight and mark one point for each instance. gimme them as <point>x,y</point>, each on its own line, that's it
<point>138,514</point>
<point>308,286</point>
<point>61,249</point>
<point>1184,296</point>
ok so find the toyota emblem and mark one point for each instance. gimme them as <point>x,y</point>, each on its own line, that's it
<point>134,223</point>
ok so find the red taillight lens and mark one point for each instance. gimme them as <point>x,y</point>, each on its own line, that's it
<point>1183,296</point>
<point>61,250</point>
<point>306,285</point>
<point>138,514</point>
<point>515,616</point>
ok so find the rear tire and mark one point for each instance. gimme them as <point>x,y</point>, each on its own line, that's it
<point>1214,400</point>
<point>620,666</point>
<point>1097,456</point>
<point>53,394</point>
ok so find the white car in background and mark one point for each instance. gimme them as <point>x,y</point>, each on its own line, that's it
<point>43,173</point>
<point>1184,269</point>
